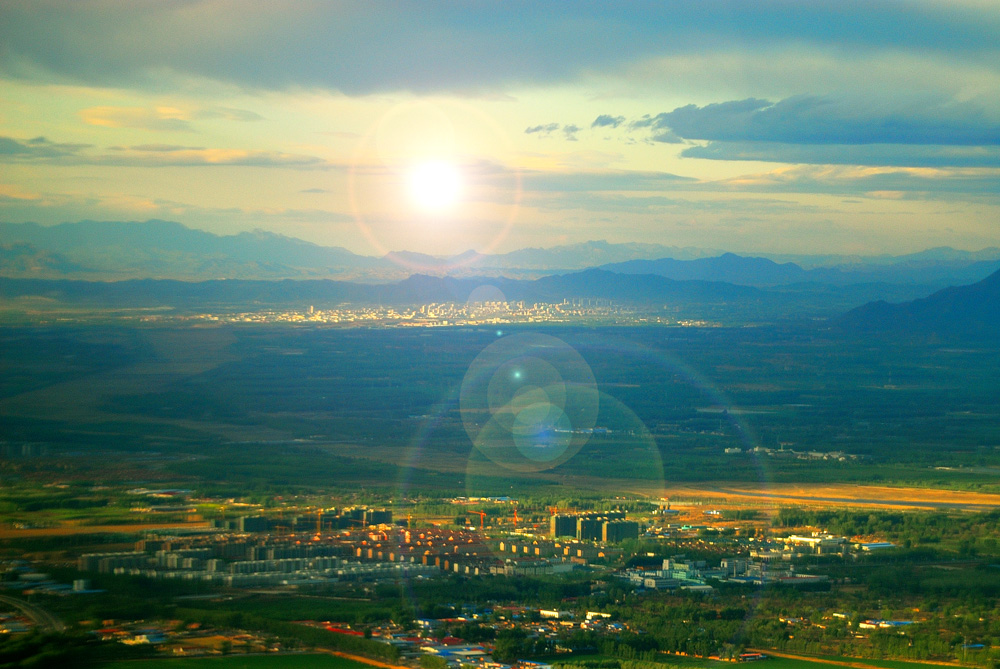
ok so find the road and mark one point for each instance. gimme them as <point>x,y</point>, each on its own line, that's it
<point>44,621</point>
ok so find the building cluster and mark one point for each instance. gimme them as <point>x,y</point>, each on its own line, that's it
<point>606,526</point>
<point>20,576</point>
<point>174,639</point>
<point>465,552</point>
<point>246,560</point>
<point>321,521</point>
<point>790,454</point>
<point>357,543</point>
<point>818,543</point>
<point>695,574</point>
<point>571,550</point>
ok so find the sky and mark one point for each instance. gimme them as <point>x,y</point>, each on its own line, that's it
<point>782,127</point>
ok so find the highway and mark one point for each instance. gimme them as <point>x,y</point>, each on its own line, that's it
<point>44,621</point>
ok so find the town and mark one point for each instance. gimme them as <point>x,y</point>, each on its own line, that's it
<point>594,560</point>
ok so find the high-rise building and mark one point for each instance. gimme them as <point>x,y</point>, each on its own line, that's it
<point>589,529</point>
<point>614,531</point>
<point>562,525</point>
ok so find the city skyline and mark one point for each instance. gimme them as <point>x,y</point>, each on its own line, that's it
<point>830,127</point>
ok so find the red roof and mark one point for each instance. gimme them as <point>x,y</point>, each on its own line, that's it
<point>340,630</point>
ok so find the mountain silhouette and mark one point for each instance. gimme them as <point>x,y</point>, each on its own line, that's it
<point>960,311</point>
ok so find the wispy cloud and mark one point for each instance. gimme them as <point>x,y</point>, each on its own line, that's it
<point>606,180</point>
<point>36,148</point>
<point>10,192</point>
<point>841,154</point>
<point>161,118</point>
<point>922,182</point>
<point>42,150</point>
<point>607,120</point>
<point>546,129</point>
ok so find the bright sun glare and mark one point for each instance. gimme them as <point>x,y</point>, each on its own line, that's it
<point>434,186</point>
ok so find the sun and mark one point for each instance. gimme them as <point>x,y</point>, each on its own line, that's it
<point>434,186</point>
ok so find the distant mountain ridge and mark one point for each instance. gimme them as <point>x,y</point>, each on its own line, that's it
<point>416,289</point>
<point>24,258</point>
<point>169,250</point>
<point>728,267</point>
<point>960,311</point>
<point>957,267</point>
<point>165,248</point>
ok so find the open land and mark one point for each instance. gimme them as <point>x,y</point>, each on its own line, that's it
<point>233,443</point>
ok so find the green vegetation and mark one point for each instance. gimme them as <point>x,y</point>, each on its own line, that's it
<point>45,651</point>
<point>308,637</point>
<point>284,409</point>
<point>961,535</point>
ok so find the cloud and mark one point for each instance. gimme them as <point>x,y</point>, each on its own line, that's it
<point>656,127</point>
<point>546,129</point>
<point>570,132</point>
<point>928,130</point>
<point>806,119</point>
<point>12,150</point>
<point>841,154</point>
<point>167,156</point>
<point>365,47</point>
<point>161,118</point>
<point>666,137</point>
<point>227,113</point>
<point>41,149</point>
<point>658,204</point>
<point>849,180</point>
<point>924,182</point>
<point>607,120</point>
<point>158,148</point>
<point>621,181</point>
<point>11,193</point>
<point>314,190</point>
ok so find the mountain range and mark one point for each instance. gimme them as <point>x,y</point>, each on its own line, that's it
<point>416,289</point>
<point>971,311</point>
<point>169,250</point>
<point>962,311</point>
<point>935,267</point>
<point>165,264</point>
<point>166,249</point>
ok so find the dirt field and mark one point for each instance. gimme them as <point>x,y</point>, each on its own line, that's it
<point>834,494</point>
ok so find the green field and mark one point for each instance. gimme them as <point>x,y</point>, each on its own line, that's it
<point>682,662</point>
<point>288,661</point>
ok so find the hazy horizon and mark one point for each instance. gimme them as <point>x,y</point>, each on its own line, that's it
<point>702,252</point>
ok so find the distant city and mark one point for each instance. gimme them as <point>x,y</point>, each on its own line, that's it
<point>574,311</point>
